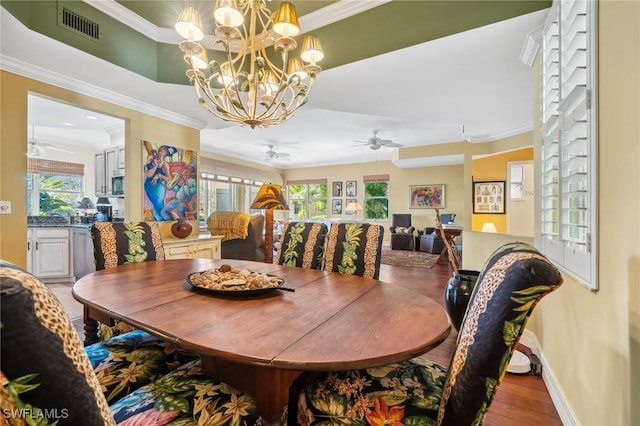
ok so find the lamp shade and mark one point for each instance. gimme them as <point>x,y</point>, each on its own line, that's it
<point>353,207</point>
<point>270,197</point>
<point>489,227</point>
<point>102,201</point>
<point>85,203</point>
<point>285,21</point>
<point>311,49</point>
<point>189,25</point>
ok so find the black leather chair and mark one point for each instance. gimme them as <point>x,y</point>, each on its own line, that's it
<point>402,237</point>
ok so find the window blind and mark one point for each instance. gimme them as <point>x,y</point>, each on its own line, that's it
<point>40,165</point>
<point>376,178</point>
<point>568,220</point>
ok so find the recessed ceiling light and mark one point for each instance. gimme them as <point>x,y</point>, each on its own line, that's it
<point>91,117</point>
<point>67,124</point>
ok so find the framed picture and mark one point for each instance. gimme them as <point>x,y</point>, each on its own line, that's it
<point>169,182</point>
<point>426,196</point>
<point>336,206</point>
<point>352,186</point>
<point>337,189</point>
<point>489,197</point>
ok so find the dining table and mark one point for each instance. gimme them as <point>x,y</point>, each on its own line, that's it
<point>259,343</point>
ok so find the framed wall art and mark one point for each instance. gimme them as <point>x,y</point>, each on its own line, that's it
<point>426,196</point>
<point>169,182</point>
<point>337,189</point>
<point>336,206</point>
<point>351,190</point>
<point>489,197</point>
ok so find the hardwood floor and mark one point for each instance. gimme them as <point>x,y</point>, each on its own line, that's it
<point>520,399</point>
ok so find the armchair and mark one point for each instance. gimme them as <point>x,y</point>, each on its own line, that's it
<point>243,234</point>
<point>402,237</point>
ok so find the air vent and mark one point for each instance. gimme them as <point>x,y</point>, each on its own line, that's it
<point>79,23</point>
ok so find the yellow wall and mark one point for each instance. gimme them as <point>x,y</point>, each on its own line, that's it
<point>400,179</point>
<point>494,168</point>
<point>13,159</point>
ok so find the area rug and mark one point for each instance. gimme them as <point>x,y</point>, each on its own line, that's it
<point>416,259</point>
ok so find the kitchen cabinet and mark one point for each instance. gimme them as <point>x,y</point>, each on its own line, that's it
<point>49,254</point>
<point>204,247</point>
<point>108,163</point>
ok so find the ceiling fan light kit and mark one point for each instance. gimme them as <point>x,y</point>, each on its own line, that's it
<point>376,143</point>
<point>248,88</point>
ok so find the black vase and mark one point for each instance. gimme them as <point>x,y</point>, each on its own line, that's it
<point>457,294</point>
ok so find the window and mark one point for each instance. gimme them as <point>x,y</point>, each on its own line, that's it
<point>569,140</point>
<point>376,197</point>
<point>53,187</point>
<point>307,200</point>
<point>223,193</point>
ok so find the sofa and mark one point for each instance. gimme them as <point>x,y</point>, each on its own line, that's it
<point>245,244</point>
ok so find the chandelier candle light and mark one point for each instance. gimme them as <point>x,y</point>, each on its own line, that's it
<point>247,87</point>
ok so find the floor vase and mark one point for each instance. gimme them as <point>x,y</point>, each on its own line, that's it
<point>457,293</point>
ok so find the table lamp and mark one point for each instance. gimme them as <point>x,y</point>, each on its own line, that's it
<point>353,209</point>
<point>269,198</point>
<point>489,227</point>
<point>84,204</point>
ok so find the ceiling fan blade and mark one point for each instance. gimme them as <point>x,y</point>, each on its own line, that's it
<point>280,154</point>
<point>392,145</point>
<point>384,141</point>
<point>55,148</point>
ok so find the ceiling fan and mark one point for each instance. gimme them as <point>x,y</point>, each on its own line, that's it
<point>273,155</point>
<point>36,147</point>
<point>375,142</point>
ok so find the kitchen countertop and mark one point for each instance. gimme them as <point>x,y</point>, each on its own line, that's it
<point>60,225</point>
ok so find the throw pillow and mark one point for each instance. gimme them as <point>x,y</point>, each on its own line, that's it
<point>401,229</point>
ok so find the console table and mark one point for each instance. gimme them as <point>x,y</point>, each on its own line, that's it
<point>202,247</point>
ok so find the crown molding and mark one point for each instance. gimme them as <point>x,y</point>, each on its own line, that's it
<point>25,69</point>
<point>327,15</point>
<point>532,43</point>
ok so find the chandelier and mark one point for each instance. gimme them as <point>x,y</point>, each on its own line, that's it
<point>247,87</point>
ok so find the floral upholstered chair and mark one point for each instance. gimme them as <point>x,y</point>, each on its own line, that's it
<point>418,391</point>
<point>354,249</point>
<point>119,243</point>
<point>46,376</point>
<point>123,358</point>
<point>302,244</point>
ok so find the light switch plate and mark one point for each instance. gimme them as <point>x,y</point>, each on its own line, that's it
<point>5,207</point>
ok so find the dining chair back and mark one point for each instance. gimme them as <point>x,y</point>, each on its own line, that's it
<point>114,347</point>
<point>354,249</point>
<point>117,243</point>
<point>419,391</point>
<point>48,378</point>
<point>114,244</point>
<point>302,244</point>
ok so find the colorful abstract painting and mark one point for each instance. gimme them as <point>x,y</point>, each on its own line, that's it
<point>170,179</point>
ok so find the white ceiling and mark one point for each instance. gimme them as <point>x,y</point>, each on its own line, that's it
<point>425,94</point>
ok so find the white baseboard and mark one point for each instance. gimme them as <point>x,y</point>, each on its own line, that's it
<point>529,340</point>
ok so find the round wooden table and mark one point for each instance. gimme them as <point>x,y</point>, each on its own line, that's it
<point>260,345</point>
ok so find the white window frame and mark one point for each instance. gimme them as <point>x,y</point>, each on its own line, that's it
<point>569,187</point>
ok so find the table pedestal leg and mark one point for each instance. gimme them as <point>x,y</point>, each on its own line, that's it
<point>269,386</point>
